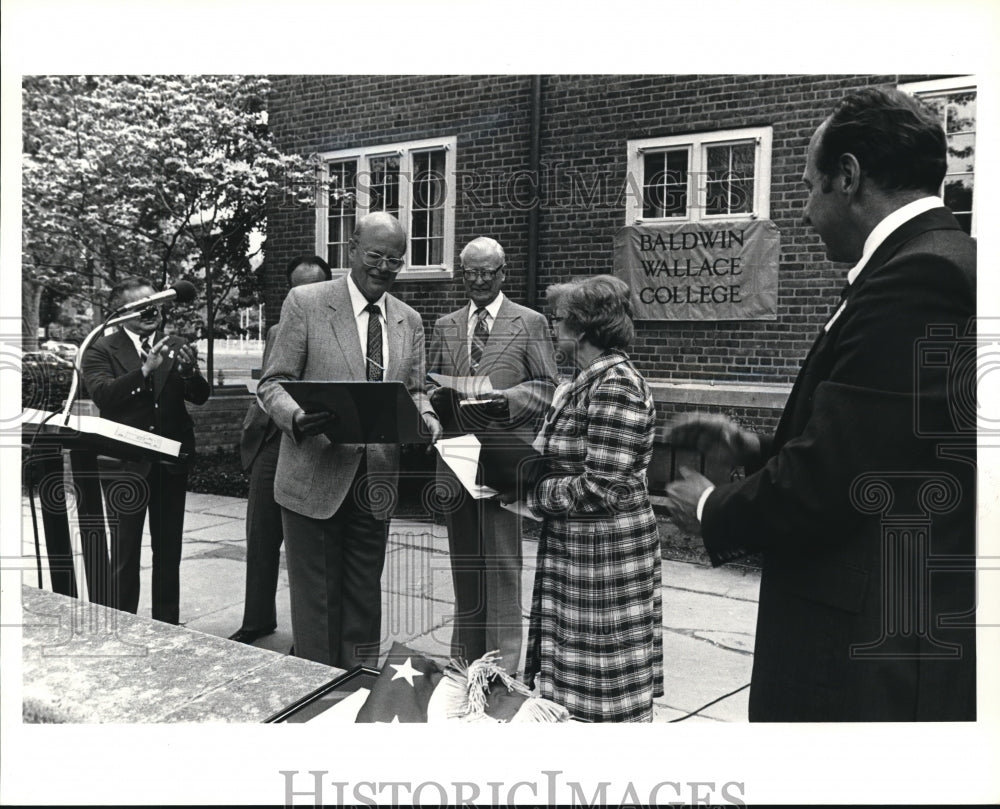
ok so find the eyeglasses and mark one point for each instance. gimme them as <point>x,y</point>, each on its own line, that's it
<point>553,319</point>
<point>472,274</point>
<point>150,312</point>
<point>375,260</point>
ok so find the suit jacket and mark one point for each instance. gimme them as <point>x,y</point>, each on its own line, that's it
<point>258,427</point>
<point>317,339</point>
<point>867,451</point>
<point>518,358</point>
<point>112,373</point>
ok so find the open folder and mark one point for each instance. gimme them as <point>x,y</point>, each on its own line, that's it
<point>466,386</point>
<point>475,464</point>
<point>507,463</point>
<point>364,412</point>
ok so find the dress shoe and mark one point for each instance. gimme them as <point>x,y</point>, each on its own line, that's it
<point>250,635</point>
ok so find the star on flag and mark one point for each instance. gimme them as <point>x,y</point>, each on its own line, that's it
<point>406,671</point>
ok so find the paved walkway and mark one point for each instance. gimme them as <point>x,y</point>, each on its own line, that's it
<point>708,615</point>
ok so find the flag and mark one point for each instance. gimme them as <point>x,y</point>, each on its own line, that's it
<point>412,688</point>
<point>403,688</point>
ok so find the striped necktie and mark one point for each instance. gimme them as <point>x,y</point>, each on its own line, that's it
<point>144,349</point>
<point>480,334</point>
<point>374,356</point>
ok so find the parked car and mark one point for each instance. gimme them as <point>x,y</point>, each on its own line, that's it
<point>65,350</point>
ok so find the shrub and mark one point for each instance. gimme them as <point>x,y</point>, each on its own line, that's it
<point>218,472</point>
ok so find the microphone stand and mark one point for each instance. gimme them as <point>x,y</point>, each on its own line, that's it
<point>111,320</point>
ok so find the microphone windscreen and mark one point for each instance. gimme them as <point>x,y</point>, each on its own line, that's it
<point>185,291</point>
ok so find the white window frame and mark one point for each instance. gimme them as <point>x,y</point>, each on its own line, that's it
<point>697,174</point>
<point>405,150</point>
<point>952,84</point>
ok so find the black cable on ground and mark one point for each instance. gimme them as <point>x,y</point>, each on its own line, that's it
<point>710,704</point>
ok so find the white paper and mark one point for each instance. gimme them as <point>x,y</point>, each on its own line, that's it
<point>344,712</point>
<point>462,456</point>
<point>461,453</point>
<point>520,508</point>
<point>464,385</point>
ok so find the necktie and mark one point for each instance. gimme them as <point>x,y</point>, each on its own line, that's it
<point>374,361</point>
<point>480,334</point>
<point>144,349</point>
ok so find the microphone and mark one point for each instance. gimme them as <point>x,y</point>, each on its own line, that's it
<point>182,291</point>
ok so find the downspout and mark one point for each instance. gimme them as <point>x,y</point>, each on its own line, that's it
<point>535,166</point>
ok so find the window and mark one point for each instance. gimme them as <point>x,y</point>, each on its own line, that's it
<point>954,100</point>
<point>410,181</point>
<point>694,178</point>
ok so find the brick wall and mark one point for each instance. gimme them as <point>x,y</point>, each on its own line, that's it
<point>218,422</point>
<point>586,121</point>
<point>489,115</point>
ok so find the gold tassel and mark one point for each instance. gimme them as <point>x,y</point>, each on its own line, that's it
<point>476,678</point>
<point>539,709</point>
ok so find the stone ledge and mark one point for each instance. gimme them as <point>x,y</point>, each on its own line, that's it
<point>720,394</point>
<point>86,663</point>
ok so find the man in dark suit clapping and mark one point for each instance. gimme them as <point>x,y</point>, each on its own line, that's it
<point>259,446</point>
<point>139,377</point>
<point>868,486</point>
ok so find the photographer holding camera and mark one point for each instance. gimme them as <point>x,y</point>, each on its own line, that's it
<point>862,494</point>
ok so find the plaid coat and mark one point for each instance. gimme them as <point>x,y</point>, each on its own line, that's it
<point>595,642</point>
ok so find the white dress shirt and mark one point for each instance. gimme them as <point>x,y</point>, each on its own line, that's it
<point>137,340</point>
<point>880,233</point>
<point>358,304</point>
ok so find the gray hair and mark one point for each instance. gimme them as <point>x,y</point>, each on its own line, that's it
<point>598,306</point>
<point>485,244</point>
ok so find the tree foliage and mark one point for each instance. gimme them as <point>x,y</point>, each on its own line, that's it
<point>163,176</point>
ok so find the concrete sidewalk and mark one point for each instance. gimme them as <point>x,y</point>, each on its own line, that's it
<point>708,615</point>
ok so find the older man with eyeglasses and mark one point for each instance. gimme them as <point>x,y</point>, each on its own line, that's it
<point>489,337</point>
<point>336,499</point>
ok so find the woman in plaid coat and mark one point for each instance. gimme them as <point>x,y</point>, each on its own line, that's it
<point>595,642</point>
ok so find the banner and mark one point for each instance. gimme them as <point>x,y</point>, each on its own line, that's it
<point>700,270</point>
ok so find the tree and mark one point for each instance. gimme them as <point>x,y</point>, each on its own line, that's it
<point>164,176</point>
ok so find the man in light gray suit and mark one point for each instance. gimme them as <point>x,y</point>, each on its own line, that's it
<point>511,344</point>
<point>336,499</point>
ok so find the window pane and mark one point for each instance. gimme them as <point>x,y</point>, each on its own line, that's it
<point>428,179</point>
<point>958,193</point>
<point>730,182</point>
<point>664,184</point>
<point>936,104</point>
<point>418,252</point>
<point>427,252</point>
<point>342,185</point>
<point>384,184</point>
<point>418,226</point>
<point>427,208</point>
<point>961,112</point>
<point>961,153</point>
